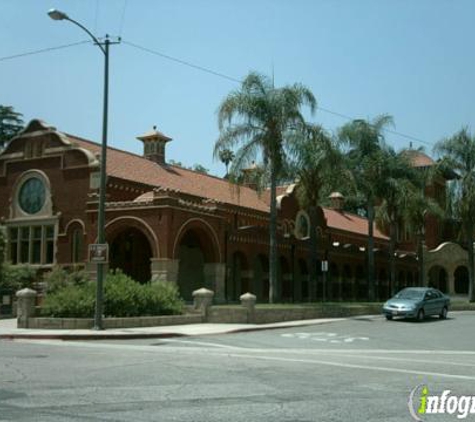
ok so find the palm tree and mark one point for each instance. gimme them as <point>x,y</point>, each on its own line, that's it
<point>458,153</point>
<point>226,156</point>
<point>418,206</point>
<point>315,165</point>
<point>259,120</point>
<point>395,187</point>
<point>10,124</point>
<point>365,139</point>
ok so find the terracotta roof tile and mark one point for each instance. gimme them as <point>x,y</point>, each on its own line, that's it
<point>350,223</point>
<point>128,166</point>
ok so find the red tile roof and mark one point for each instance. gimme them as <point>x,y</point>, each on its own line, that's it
<point>350,223</point>
<point>128,166</point>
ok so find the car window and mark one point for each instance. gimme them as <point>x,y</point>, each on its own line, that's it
<point>410,294</point>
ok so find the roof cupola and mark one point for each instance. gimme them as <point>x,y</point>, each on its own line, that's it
<point>154,145</point>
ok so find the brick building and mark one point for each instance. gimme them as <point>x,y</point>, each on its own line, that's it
<point>165,222</point>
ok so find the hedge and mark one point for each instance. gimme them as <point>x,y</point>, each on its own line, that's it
<point>123,297</point>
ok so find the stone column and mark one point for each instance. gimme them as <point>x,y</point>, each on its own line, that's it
<point>248,300</point>
<point>25,307</point>
<point>214,278</point>
<point>202,301</point>
<point>164,269</point>
<point>451,281</point>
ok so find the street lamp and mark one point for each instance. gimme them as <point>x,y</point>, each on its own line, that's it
<point>104,46</point>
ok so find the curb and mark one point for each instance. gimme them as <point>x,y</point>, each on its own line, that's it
<point>138,336</point>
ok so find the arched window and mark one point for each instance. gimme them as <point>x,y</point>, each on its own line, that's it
<point>77,246</point>
<point>32,227</point>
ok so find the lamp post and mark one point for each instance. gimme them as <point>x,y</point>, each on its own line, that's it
<point>104,46</point>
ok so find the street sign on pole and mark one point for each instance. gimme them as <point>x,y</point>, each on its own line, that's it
<point>324,266</point>
<point>99,253</point>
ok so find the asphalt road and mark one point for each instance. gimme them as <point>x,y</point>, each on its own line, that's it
<point>360,369</point>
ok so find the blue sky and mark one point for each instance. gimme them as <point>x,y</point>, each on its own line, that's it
<point>413,59</point>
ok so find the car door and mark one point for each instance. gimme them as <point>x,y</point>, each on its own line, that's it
<point>439,302</point>
<point>430,303</point>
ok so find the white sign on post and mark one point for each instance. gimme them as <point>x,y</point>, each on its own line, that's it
<point>324,266</point>
<point>99,253</point>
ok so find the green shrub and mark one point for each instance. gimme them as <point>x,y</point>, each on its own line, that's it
<point>17,277</point>
<point>71,302</point>
<point>123,297</point>
<point>59,278</point>
<point>163,299</point>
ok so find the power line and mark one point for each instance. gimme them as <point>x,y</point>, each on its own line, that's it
<point>198,67</point>
<point>230,78</point>
<point>44,50</point>
<point>184,62</point>
<point>394,132</point>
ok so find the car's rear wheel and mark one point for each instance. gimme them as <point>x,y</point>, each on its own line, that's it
<point>443,313</point>
<point>389,317</point>
<point>421,315</point>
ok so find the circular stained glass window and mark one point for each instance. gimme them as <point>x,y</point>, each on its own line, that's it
<point>32,195</point>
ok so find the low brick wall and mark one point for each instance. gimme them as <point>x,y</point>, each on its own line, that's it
<point>85,323</point>
<point>227,314</point>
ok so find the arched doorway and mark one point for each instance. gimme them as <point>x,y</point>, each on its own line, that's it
<point>304,279</point>
<point>438,278</point>
<point>239,282</point>
<point>261,277</point>
<point>361,283</point>
<point>130,251</point>
<point>401,281</point>
<point>461,280</point>
<point>285,280</point>
<point>334,279</point>
<point>383,290</point>
<point>191,265</point>
<point>347,293</point>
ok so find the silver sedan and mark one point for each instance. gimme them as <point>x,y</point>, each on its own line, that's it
<point>417,302</point>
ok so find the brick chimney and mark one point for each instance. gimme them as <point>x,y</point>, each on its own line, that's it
<point>337,201</point>
<point>154,145</point>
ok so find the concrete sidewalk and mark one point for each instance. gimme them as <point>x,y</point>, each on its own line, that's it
<point>9,330</point>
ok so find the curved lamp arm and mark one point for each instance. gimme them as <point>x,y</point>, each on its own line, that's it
<point>57,15</point>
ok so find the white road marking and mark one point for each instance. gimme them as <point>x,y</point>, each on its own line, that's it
<point>324,337</point>
<point>203,343</point>
<point>249,353</point>
<point>410,360</point>
<point>353,366</point>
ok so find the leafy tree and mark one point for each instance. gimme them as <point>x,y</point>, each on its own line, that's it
<point>365,140</point>
<point>458,153</point>
<point>10,124</point>
<point>195,167</point>
<point>200,169</point>
<point>259,120</point>
<point>316,164</point>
